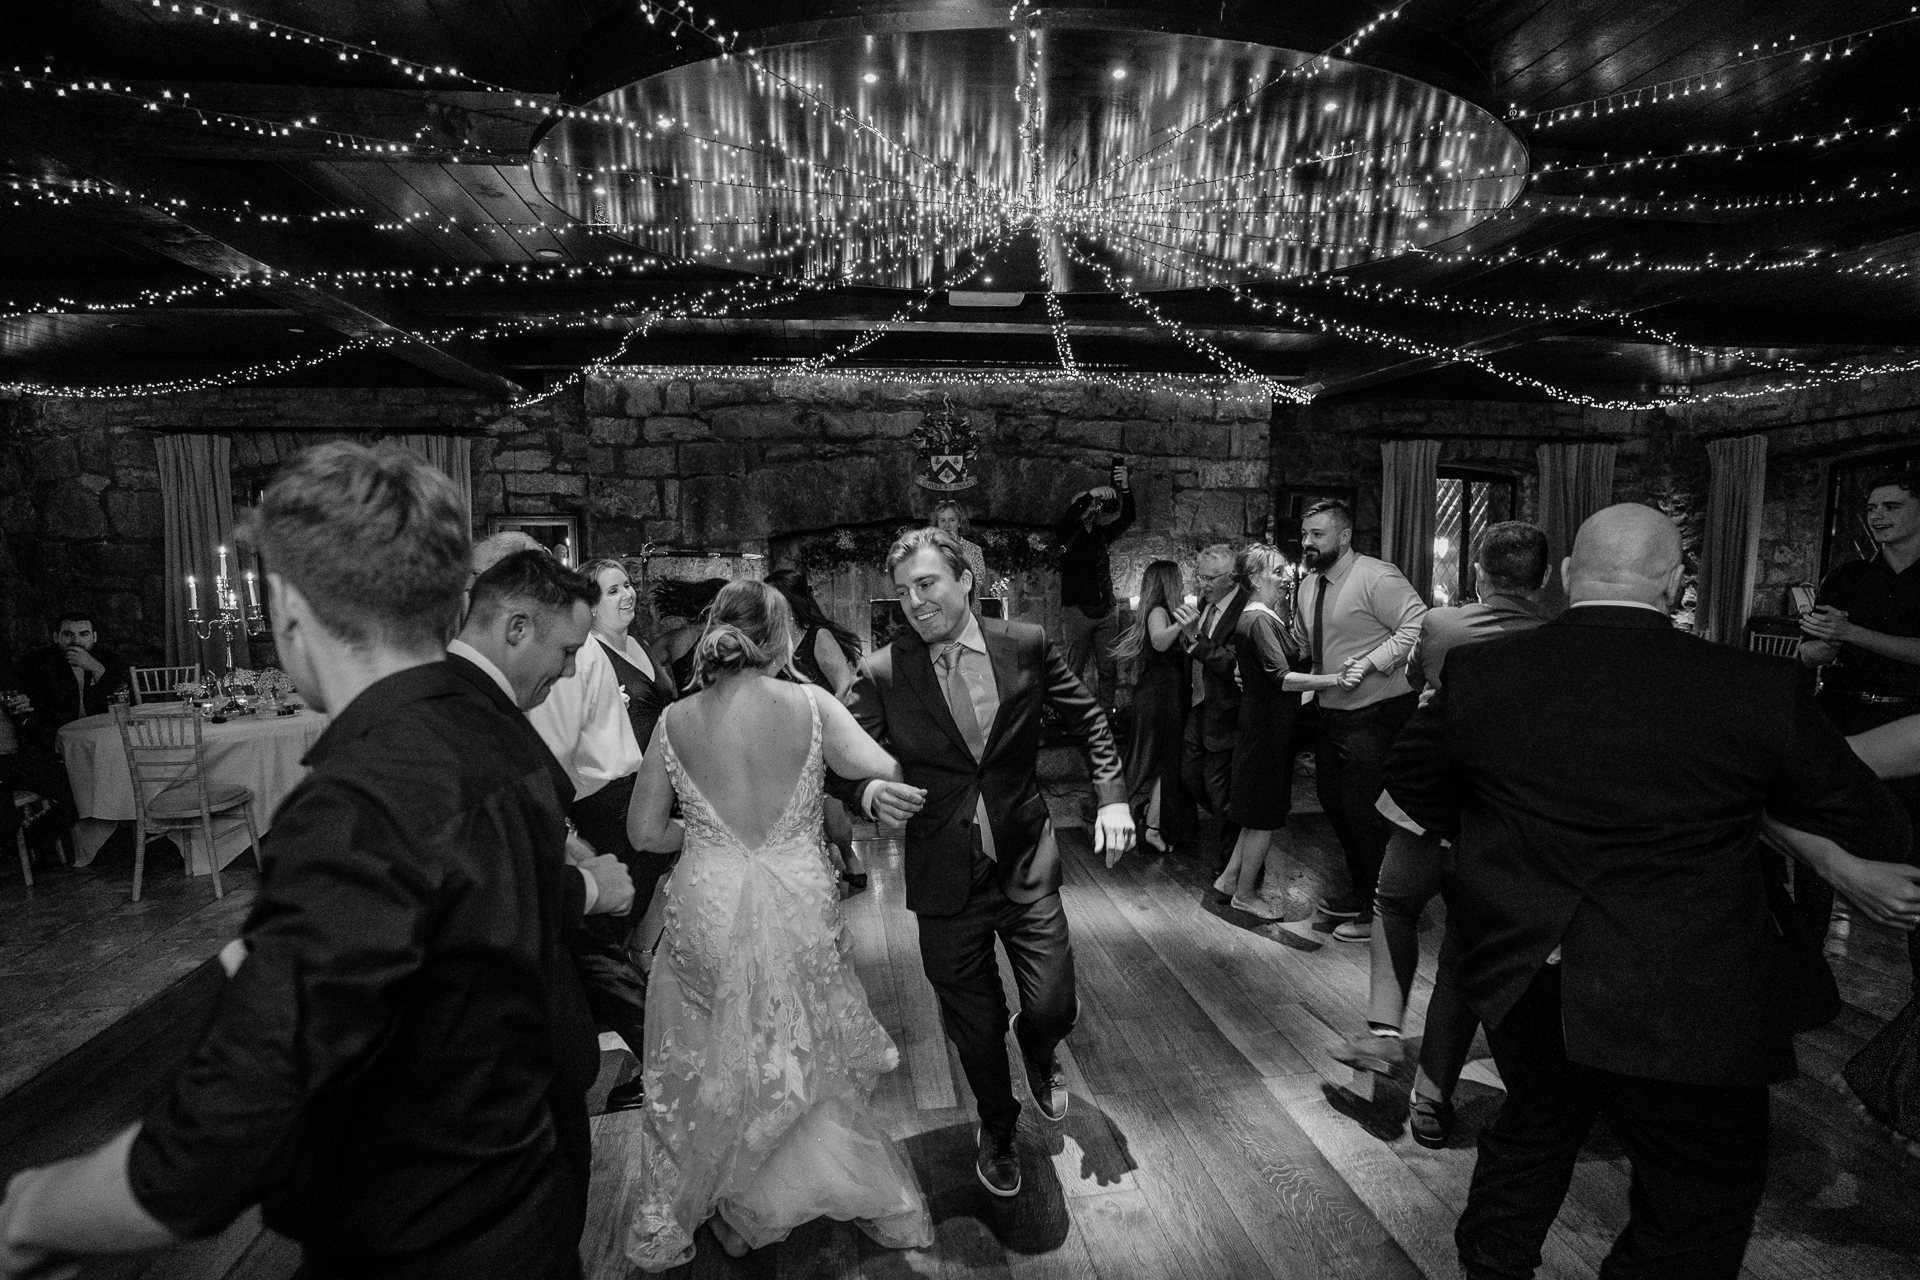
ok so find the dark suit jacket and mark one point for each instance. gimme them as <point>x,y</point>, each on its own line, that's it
<point>1219,658</point>
<point>1605,775</point>
<point>404,1055</point>
<point>46,677</point>
<point>898,699</point>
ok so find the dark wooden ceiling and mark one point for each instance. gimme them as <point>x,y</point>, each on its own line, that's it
<point>1714,210</point>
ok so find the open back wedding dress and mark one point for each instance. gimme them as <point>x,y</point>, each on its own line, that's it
<point>761,1051</point>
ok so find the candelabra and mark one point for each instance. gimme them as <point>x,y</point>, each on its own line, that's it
<point>230,617</point>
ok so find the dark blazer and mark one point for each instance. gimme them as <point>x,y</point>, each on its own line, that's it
<point>1218,657</point>
<point>46,677</point>
<point>1605,775</point>
<point>898,699</point>
<point>404,1055</point>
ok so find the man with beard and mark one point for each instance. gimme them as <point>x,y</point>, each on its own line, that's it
<point>1358,617</point>
<point>70,679</point>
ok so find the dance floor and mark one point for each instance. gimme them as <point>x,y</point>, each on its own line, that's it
<point>1201,1142</point>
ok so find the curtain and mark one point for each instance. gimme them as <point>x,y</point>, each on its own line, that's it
<point>1409,473</point>
<point>1730,560</point>
<point>196,500</point>
<point>1576,480</point>
<point>453,455</point>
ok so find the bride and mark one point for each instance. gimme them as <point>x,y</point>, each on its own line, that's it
<point>761,1052</point>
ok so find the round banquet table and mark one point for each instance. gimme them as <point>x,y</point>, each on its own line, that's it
<point>261,753</point>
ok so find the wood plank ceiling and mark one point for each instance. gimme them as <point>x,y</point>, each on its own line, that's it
<point>1706,190</point>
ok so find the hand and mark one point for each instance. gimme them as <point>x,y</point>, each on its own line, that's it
<point>1889,892</point>
<point>1826,623</point>
<point>1188,619</point>
<point>615,885</point>
<point>1356,670</point>
<point>20,1260</point>
<point>1113,831</point>
<point>1818,653</point>
<point>86,662</point>
<point>1105,493</point>
<point>894,802</point>
<point>19,705</point>
<point>1120,476</point>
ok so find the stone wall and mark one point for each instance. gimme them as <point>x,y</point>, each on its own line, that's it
<point>733,466</point>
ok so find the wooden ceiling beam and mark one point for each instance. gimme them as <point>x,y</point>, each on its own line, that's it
<point>58,147</point>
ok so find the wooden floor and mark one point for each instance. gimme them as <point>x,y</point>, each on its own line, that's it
<point>1201,1142</point>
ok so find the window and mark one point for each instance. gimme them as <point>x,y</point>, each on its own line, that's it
<point>1465,503</point>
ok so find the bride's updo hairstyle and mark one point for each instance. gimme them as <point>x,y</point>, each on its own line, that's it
<point>748,626</point>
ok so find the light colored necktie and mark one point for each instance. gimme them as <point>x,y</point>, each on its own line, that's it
<point>1200,672</point>
<point>960,702</point>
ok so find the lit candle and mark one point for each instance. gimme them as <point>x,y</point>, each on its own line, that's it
<point>193,595</point>
<point>253,591</point>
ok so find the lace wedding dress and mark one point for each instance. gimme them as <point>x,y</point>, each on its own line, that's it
<point>761,1051</point>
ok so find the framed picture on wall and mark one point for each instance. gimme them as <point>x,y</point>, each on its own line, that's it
<point>560,535</point>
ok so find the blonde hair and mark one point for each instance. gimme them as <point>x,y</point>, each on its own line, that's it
<point>749,625</point>
<point>1159,589</point>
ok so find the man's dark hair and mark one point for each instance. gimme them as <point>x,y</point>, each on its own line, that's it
<point>1340,511</point>
<point>532,580</point>
<point>1512,556</point>
<point>1908,480</point>
<point>914,541</point>
<point>74,615</point>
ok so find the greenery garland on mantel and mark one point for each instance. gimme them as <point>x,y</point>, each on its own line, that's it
<point>1009,549</point>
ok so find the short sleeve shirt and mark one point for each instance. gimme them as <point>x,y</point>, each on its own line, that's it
<point>1877,598</point>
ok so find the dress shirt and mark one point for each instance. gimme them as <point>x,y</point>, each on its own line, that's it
<point>583,721</point>
<point>1619,604</point>
<point>482,661</point>
<point>1373,612</point>
<point>403,1053</point>
<point>976,672</point>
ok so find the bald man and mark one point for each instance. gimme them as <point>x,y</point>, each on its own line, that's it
<point>1603,778</point>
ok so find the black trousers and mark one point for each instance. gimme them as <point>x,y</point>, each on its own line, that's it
<point>616,989</point>
<point>46,777</point>
<point>535,1237</point>
<point>956,952</point>
<point>1813,896</point>
<point>1208,778</point>
<point>1699,1156</point>
<point>1350,758</point>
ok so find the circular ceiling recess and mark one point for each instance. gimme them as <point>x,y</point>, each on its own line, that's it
<point>1054,158</point>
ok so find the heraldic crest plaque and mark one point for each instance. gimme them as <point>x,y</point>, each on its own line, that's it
<point>947,447</point>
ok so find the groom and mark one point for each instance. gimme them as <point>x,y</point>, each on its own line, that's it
<point>957,700</point>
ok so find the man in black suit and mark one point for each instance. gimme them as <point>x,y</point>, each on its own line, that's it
<point>397,1068</point>
<point>70,679</point>
<point>1206,756</point>
<point>957,699</point>
<point>1603,778</point>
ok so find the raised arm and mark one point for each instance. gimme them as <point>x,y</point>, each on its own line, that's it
<point>650,823</point>
<point>1892,750</point>
<point>850,750</point>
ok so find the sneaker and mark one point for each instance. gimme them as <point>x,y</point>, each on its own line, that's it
<point>1048,1089</point>
<point>1344,907</point>
<point>997,1164</point>
<point>1431,1121</point>
<point>1382,1055</point>
<point>1354,930</point>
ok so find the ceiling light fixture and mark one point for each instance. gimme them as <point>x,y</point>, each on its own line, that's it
<point>871,77</point>
<point>1119,73</point>
<point>548,253</point>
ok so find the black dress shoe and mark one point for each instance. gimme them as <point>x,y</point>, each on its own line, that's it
<point>1431,1121</point>
<point>630,1096</point>
<point>997,1165</point>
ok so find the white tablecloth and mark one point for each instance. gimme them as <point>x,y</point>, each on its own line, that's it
<point>261,753</point>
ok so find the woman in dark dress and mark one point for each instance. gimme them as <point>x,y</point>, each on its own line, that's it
<point>1262,787</point>
<point>1162,694</point>
<point>825,654</point>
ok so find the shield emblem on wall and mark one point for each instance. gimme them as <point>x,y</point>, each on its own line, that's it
<point>947,448</point>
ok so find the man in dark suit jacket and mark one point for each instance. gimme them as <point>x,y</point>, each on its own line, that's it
<point>397,1068</point>
<point>1603,778</point>
<point>68,680</point>
<point>1206,755</point>
<point>957,699</point>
